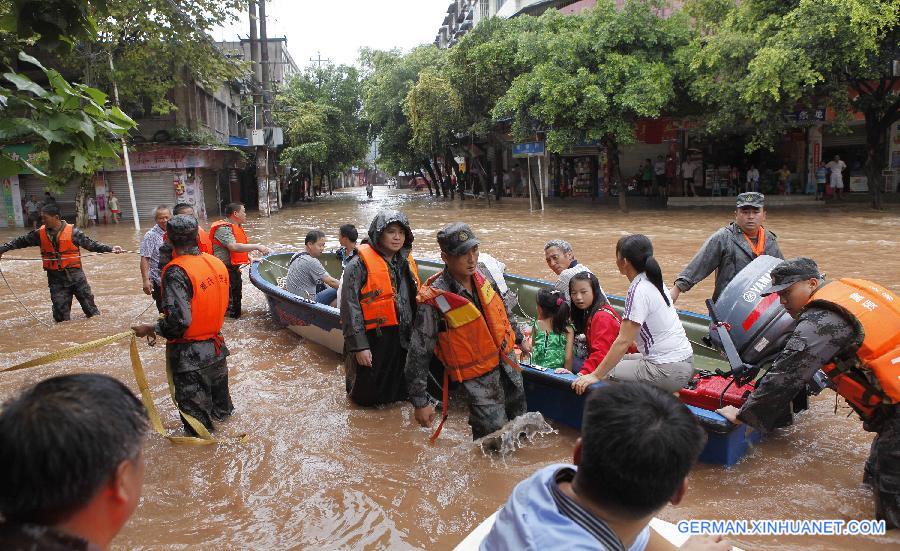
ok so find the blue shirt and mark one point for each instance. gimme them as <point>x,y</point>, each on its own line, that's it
<point>538,515</point>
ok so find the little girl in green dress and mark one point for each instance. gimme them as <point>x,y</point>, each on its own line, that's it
<point>552,335</point>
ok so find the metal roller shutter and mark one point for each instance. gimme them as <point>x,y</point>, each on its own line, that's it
<point>151,189</point>
<point>857,136</point>
<point>35,185</point>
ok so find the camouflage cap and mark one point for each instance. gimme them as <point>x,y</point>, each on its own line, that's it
<point>456,239</point>
<point>182,229</point>
<point>751,199</point>
<point>791,271</point>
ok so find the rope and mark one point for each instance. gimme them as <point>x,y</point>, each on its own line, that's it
<point>15,296</point>
<point>137,366</point>
<point>4,257</point>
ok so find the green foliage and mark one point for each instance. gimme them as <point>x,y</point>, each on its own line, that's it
<point>157,45</point>
<point>592,77</point>
<point>762,59</point>
<point>70,124</point>
<point>390,76</point>
<point>320,112</point>
<point>50,24</point>
<point>434,110</point>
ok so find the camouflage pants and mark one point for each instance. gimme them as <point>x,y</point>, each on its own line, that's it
<point>494,399</point>
<point>64,284</point>
<point>204,395</point>
<point>883,471</point>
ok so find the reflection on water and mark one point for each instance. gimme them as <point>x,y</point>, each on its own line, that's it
<point>320,473</point>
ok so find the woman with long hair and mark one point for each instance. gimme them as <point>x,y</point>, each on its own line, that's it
<point>665,358</point>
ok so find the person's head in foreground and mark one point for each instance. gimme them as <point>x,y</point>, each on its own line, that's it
<point>71,461</point>
<point>637,446</point>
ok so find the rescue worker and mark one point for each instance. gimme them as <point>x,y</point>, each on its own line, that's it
<point>378,302</point>
<point>203,241</point>
<point>194,298</point>
<point>850,329</point>
<point>230,245</point>
<point>59,242</point>
<point>730,249</point>
<point>463,321</point>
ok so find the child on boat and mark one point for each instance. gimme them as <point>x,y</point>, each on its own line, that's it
<point>593,316</point>
<point>552,337</point>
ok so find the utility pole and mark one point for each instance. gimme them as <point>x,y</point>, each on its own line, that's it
<point>134,209</point>
<point>267,93</point>
<point>259,111</point>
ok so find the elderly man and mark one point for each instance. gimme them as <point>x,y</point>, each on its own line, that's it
<point>731,248</point>
<point>71,463</point>
<point>150,245</point>
<point>306,273</point>
<point>561,259</point>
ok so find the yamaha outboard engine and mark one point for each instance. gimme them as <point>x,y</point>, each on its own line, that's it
<point>749,328</point>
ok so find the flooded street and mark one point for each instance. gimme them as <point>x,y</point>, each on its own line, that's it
<point>319,473</point>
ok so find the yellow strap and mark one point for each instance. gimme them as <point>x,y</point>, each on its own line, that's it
<point>140,377</point>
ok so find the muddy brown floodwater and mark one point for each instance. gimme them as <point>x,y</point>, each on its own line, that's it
<point>319,473</point>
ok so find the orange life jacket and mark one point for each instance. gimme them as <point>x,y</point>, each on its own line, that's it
<point>867,375</point>
<point>209,282</point>
<point>377,296</point>
<point>237,259</point>
<point>64,255</point>
<point>473,344</point>
<point>203,241</point>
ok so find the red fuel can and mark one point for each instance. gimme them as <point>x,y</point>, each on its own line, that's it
<point>705,391</point>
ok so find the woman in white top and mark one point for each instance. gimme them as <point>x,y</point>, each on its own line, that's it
<point>666,359</point>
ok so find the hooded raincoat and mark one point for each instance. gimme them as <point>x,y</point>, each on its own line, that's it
<point>384,381</point>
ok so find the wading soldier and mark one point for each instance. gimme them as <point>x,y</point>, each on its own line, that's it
<point>850,329</point>
<point>230,245</point>
<point>194,299</point>
<point>730,249</point>
<point>378,302</point>
<point>59,242</point>
<point>463,321</point>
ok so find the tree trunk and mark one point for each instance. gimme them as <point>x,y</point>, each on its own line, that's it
<point>434,179</point>
<point>450,161</point>
<point>876,130</point>
<point>612,150</point>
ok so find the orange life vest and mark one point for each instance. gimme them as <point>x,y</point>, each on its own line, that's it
<point>760,247</point>
<point>64,255</point>
<point>209,282</point>
<point>867,375</point>
<point>473,344</point>
<point>237,259</point>
<point>203,241</point>
<point>377,296</point>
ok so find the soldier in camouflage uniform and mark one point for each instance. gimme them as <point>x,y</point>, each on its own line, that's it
<point>730,249</point>
<point>495,397</point>
<point>64,281</point>
<point>375,357</point>
<point>199,368</point>
<point>821,337</point>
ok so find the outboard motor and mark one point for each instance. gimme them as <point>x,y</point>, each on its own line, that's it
<point>749,328</point>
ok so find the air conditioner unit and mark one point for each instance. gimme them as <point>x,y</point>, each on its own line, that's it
<point>271,136</point>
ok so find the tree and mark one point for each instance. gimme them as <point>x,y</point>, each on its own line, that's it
<point>157,45</point>
<point>756,62</point>
<point>434,111</point>
<point>592,77</point>
<point>389,76</point>
<point>70,124</point>
<point>320,111</point>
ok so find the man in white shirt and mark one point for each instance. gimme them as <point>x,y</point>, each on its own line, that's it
<point>837,167</point>
<point>752,179</point>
